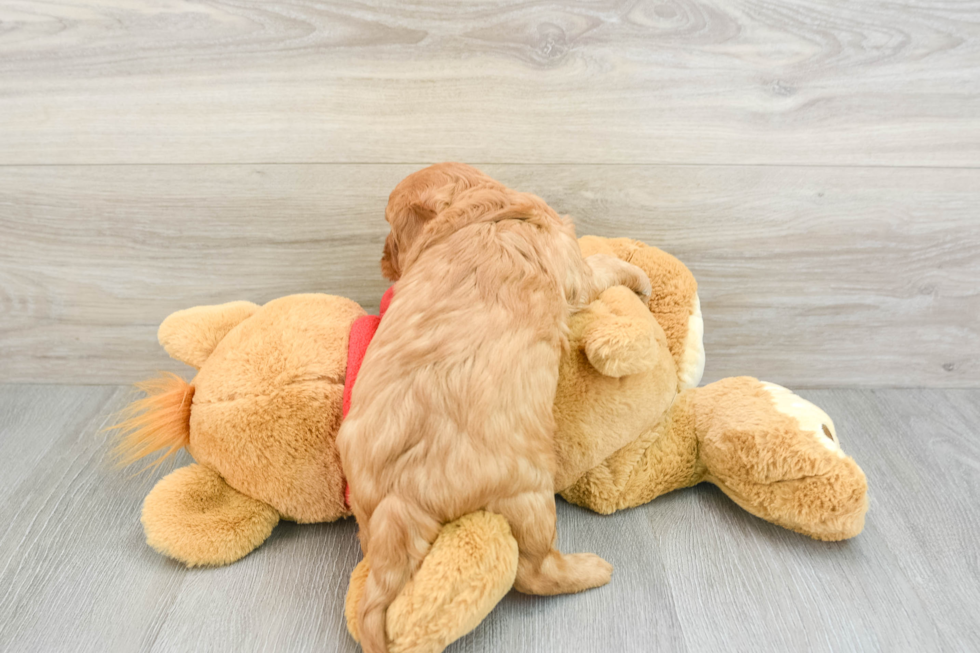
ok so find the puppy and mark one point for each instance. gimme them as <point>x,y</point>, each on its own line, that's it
<point>452,409</point>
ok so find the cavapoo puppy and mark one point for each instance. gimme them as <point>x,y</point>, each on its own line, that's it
<point>452,409</point>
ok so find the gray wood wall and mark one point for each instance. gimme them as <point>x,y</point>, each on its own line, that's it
<point>816,164</point>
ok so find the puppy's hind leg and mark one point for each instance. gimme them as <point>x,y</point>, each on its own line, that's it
<point>541,568</point>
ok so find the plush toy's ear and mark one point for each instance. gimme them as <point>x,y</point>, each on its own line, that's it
<point>192,334</point>
<point>623,337</point>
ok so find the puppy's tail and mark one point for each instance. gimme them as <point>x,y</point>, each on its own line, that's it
<point>400,536</point>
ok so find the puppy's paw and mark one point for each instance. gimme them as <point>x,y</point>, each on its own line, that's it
<point>641,284</point>
<point>589,570</point>
<point>609,271</point>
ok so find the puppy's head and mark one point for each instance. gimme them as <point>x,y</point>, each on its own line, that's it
<point>415,206</point>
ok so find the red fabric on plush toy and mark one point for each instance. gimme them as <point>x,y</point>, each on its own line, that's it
<point>361,333</point>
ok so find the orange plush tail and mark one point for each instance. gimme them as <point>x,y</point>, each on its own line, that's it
<point>160,420</point>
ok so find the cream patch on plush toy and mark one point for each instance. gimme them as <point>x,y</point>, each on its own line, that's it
<point>811,418</point>
<point>692,359</point>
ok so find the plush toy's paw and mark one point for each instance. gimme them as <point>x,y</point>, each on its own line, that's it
<point>470,567</point>
<point>622,337</point>
<point>778,456</point>
<point>674,301</point>
<point>193,516</point>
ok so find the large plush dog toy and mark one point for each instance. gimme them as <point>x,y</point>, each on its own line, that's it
<point>261,415</point>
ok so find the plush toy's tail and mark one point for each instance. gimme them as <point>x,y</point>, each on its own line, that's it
<point>160,420</point>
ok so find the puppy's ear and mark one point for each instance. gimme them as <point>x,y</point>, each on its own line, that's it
<point>389,260</point>
<point>419,212</point>
<point>409,210</point>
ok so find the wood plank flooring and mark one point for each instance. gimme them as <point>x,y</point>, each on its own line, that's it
<point>693,572</point>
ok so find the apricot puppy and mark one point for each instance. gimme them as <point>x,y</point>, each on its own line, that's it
<point>452,409</point>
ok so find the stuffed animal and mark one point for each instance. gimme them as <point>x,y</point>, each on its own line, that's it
<point>261,415</point>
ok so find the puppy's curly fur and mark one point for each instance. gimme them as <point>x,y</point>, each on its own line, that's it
<point>452,410</point>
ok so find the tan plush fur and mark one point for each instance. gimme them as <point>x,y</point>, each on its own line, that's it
<point>786,477</point>
<point>260,417</point>
<point>193,516</point>
<point>597,413</point>
<point>662,459</point>
<point>452,410</point>
<point>674,287</point>
<point>730,433</point>
<point>192,334</point>
<point>267,406</point>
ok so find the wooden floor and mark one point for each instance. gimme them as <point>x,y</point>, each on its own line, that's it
<point>693,572</point>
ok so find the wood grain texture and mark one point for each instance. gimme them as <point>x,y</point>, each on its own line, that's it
<point>603,81</point>
<point>693,571</point>
<point>76,574</point>
<point>808,276</point>
<point>65,586</point>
